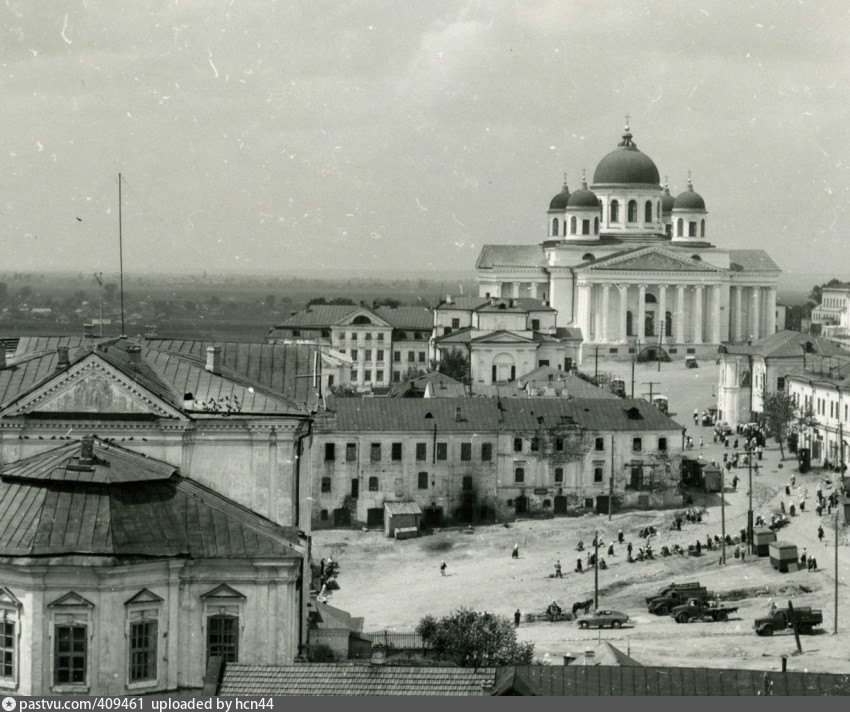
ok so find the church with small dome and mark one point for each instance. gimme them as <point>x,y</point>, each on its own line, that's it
<point>634,268</point>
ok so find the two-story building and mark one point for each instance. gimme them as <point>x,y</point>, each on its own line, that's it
<point>503,338</point>
<point>750,371</point>
<point>384,344</point>
<point>464,459</point>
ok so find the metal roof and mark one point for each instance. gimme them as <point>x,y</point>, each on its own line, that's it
<point>753,261</point>
<point>319,316</point>
<point>787,344</point>
<point>354,680</point>
<point>45,514</point>
<point>393,508</point>
<point>510,256</point>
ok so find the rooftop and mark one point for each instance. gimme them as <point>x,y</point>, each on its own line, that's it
<point>786,344</point>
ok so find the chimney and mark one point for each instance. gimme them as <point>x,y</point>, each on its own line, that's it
<point>493,301</point>
<point>448,299</point>
<point>379,655</point>
<point>512,303</point>
<point>188,401</point>
<point>134,356</point>
<point>589,655</point>
<point>63,361</point>
<point>214,359</point>
<point>87,450</point>
<point>568,659</point>
<point>784,663</point>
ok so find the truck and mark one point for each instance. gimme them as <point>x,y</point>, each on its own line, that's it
<point>697,610</point>
<point>675,595</point>
<point>780,619</point>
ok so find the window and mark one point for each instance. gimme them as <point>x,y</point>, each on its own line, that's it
<point>368,337</point>
<point>662,444</point>
<point>632,216</point>
<point>442,451</point>
<point>597,473</point>
<point>223,637</point>
<point>351,452</point>
<point>555,229</point>
<point>595,226</point>
<point>353,354</point>
<point>780,383</point>
<point>331,380</point>
<point>535,324</point>
<point>637,444</point>
<point>396,451</point>
<point>585,227</point>
<point>702,228</point>
<point>381,336</point>
<point>396,356</point>
<point>614,212</point>
<point>368,356</point>
<point>396,376</point>
<point>421,357</point>
<point>466,452</point>
<point>330,452</point>
<point>353,336</point>
<point>559,475</point>
<point>323,515</point>
<point>692,228</point>
<point>375,454</point>
<point>467,483</point>
<point>680,227</point>
<point>447,330</point>
<point>70,654</point>
<point>455,323</point>
<point>411,355</point>
<point>647,211</point>
<point>373,484</point>
<point>7,650</point>
<point>380,355</point>
<point>559,444</point>
<point>326,484</point>
<point>423,480</point>
<point>517,444</point>
<point>421,452</point>
<point>600,444</point>
<point>143,635</point>
<point>519,475</point>
<point>379,376</point>
<point>573,224</point>
<point>535,444</point>
<point>486,452</point>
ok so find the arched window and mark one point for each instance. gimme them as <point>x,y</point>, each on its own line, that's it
<point>614,212</point>
<point>573,227</point>
<point>595,226</point>
<point>585,227</point>
<point>649,298</point>
<point>632,211</point>
<point>668,324</point>
<point>649,324</point>
<point>680,227</point>
<point>555,227</point>
<point>647,211</point>
<point>587,257</point>
<point>658,209</point>
<point>692,228</point>
<point>629,321</point>
<point>565,227</point>
<point>745,379</point>
<point>702,228</point>
<point>363,319</point>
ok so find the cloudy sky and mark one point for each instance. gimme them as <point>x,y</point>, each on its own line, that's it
<point>294,136</point>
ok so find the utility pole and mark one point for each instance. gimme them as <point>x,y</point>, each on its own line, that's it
<point>633,376</point>
<point>596,570</point>
<point>611,483</point>
<point>841,471</point>
<point>99,279</point>
<point>121,257</point>
<point>651,384</point>
<point>596,364</point>
<point>793,620</point>
<point>723,515</point>
<point>749,451</point>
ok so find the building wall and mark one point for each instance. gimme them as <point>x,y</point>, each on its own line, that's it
<point>831,410</point>
<point>268,620</point>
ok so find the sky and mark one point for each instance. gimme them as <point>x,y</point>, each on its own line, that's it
<point>295,137</point>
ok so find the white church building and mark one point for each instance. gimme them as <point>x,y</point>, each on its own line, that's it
<point>633,268</point>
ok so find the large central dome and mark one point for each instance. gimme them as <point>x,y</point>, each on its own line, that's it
<point>627,165</point>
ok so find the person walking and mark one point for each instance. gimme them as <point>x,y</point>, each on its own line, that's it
<point>620,536</point>
<point>442,568</point>
<point>515,552</point>
<point>558,573</point>
<point>629,548</point>
<point>610,550</point>
<point>517,618</point>
<point>820,533</point>
<point>578,565</point>
<point>735,482</point>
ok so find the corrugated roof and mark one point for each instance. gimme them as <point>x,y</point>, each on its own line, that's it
<point>319,316</point>
<point>604,654</point>
<point>785,344</point>
<point>752,261</point>
<point>172,517</point>
<point>463,303</point>
<point>407,317</point>
<point>510,256</point>
<point>327,617</point>
<point>393,508</point>
<point>354,680</point>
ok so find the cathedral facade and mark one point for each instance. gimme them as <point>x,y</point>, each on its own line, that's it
<point>633,267</point>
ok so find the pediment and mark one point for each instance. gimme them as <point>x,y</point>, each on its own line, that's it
<point>91,386</point>
<point>8,599</point>
<point>223,592</point>
<point>72,599</point>
<point>144,596</point>
<point>502,337</point>
<point>652,260</point>
<point>349,319</point>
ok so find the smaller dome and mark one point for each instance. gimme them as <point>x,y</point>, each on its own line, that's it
<point>689,200</point>
<point>559,202</point>
<point>667,200</point>
<point>583,198</point>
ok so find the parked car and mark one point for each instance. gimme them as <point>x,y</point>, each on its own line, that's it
<point>691,362</point>
<point>805,617</point>
<point>697,610</point>
<point>603,618</point>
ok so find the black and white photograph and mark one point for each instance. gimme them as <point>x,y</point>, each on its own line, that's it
<point>433,348</point>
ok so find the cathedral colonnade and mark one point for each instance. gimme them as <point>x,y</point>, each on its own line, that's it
<point>618,312</point>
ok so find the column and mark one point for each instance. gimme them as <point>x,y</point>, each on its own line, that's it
<point>582,310</point>
<point>738,335</point>
<point>624,307</point>
<point>533,290</point>
<point>770,306</point>
<point>597,315</point>
<point>662,312</point>
<point>679,336</point>
<point>715,314</point>
<point>754,314</point>
<point>603,337</point>
<point>515,294</point>
<point>641,318</point>
<point>698,291</point>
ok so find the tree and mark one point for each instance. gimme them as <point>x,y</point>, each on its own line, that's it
<point>412,373</point>
<point>804,419</point>
<point>455,364</point>
<point>471,639</point>
<point>816,295</point>
<point>386,302</point>
<point>344,391</point>
<point>4,292</point>
<point>779,414</point>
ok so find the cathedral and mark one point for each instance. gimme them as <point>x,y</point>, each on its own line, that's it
<point>634,269</point>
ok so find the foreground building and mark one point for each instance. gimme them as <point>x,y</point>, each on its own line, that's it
<point>748,372</point>
<point>465,459</point>
<point>632,267</point>
<point>120,576</point>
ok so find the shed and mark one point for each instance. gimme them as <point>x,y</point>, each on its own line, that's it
<point>783,556</point>
<point>711,477</point>
<point>763,538</point>
<point>402,515</point>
